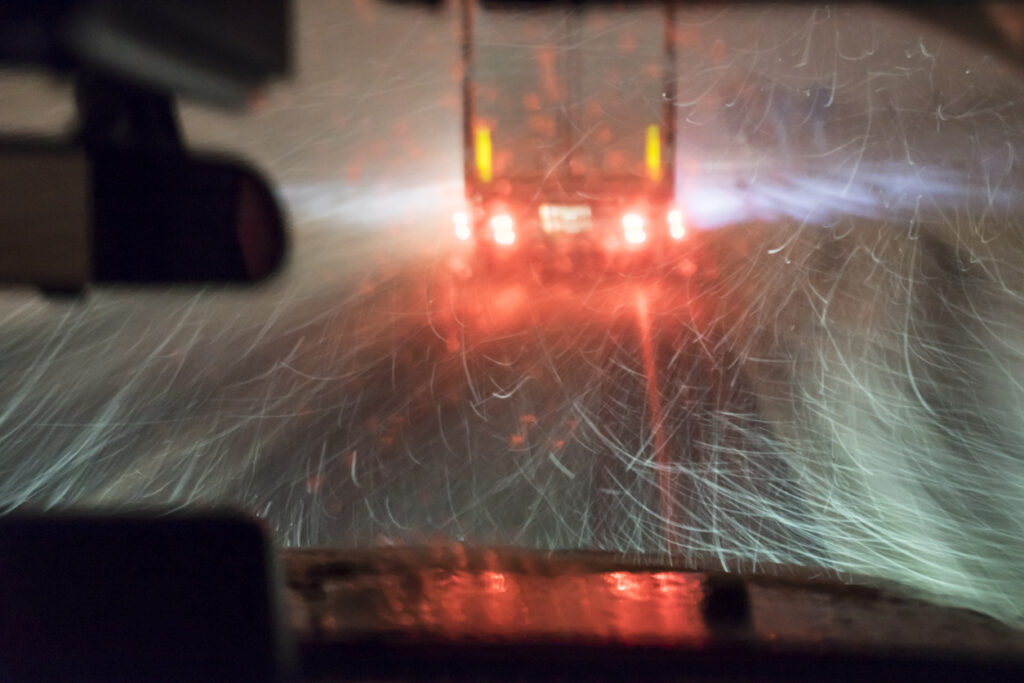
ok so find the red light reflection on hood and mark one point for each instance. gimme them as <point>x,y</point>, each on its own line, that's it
<point>633,607</point>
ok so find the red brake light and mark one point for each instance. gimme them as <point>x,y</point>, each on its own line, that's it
<point>676,225</point>
<point>504,229</point>
<point>461,221</point>
<point>633,228</point>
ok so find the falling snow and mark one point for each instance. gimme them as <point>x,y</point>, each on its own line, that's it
<point>832,375</point>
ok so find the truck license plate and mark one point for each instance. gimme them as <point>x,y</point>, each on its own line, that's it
<point>565,218</point>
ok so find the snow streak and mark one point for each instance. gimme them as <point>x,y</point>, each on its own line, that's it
<point>839,358</point>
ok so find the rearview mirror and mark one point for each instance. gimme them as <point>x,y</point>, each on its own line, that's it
<point>126,215</point>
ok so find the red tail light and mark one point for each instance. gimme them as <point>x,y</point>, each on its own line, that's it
<point>633,228</point>
<point>676,224</point>
<point>461,221</point>
<point>503,228</point>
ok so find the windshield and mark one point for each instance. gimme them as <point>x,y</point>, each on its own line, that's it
<point>824,370</point>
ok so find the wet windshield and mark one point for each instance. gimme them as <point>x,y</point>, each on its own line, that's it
<point>814,357</point>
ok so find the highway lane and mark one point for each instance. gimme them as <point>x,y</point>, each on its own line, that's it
<point>414,404</point>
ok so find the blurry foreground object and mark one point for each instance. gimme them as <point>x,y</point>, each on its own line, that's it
<point>124,201</point>
<point>199,597</point>
<point>143,598</point>
<point>456,613</point>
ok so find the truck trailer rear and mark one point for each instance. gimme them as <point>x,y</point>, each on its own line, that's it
<point>569,134</point>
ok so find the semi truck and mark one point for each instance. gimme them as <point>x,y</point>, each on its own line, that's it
<point>568,132</point>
